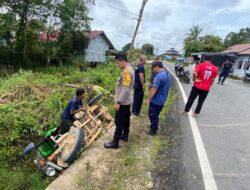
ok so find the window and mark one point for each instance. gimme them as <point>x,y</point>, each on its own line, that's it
<point>248,65</point>
<point>245,65</point>
<point>240,64</point>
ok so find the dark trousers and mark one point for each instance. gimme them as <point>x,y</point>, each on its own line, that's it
<point>65,125</point>
<point>193,95</point>
<point>224,76</point>
<point>153,113</point>
<point>122,122</point>
<point>137,102</point>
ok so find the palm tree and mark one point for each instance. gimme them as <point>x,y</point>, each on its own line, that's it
<point>194,32</point>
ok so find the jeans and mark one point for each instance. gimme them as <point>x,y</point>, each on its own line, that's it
<point>153,113</point>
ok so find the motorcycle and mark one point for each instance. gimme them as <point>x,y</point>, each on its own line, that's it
<point>56,152</point>
<point>183,75</point>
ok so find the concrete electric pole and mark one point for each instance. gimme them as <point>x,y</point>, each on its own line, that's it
<point>144,2</point>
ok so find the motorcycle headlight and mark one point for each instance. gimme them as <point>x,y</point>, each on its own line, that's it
<point>49,171</point>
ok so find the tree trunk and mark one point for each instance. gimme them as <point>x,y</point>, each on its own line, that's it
<point>22,33</point>
<point>144,2</point>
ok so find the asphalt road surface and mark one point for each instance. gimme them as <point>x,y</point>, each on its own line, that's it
<point>224,127</point>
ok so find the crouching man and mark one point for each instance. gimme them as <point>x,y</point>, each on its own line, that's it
<point>74,106</point>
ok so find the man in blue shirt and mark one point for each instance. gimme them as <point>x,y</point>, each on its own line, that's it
<point>139,86</point>
<point>73,107</point>
<point>158,95</point>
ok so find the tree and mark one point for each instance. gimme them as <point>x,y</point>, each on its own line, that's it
<point>210,43</point>
<point>24,11</point>
<point>191,46</point>
<point>126,48</point>
<point>233,38</point>
<point>194,32</point>
<point>134,54</point>
<point>63,16</point>
<point>73,44</point>
<point>148,49</point>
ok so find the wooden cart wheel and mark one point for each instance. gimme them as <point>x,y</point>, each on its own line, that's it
<point>74,142</point>
<point>95,100</point>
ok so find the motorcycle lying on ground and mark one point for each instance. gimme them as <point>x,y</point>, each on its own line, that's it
<point>56,152</point>
<point>247,77</point>
<point>183,75</point>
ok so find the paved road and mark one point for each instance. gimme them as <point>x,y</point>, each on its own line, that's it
<point>224,125</point>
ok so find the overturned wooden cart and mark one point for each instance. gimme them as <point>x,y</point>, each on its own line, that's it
<point>56,152</point>
<point>94,120</point>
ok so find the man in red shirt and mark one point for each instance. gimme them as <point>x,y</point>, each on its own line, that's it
<point>203,77</point>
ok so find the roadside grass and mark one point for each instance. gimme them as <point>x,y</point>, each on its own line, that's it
<point>30,104</point>
<point>130,166</point>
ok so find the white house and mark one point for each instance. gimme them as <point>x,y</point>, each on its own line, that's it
<point>97,47</point>
<point>242,61</point>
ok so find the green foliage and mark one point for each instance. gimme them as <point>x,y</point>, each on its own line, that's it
<point>134,54</point>
<point>148,49</point>
<point>126,48</point>
<point>194,33</point>
<point>209,43</point>
<point>31,103</point>
<point>191,46</point>
<point>241,37</point>
<point>23,20</point>
<point>72,43</point>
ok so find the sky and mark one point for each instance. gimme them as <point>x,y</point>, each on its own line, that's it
<point>166,23</point>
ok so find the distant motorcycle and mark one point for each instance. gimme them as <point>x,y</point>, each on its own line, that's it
<point>247,77</point>
<point>183,75</point>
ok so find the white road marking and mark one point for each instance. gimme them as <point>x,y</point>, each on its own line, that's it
<point>224,125</point>
<point>232,174</point>
<point>206,170</point>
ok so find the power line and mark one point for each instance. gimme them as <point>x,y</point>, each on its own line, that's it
<point>111,6</point>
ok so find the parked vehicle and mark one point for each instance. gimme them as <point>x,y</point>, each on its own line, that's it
<point>247,76</point>
<point>56,152</point>
<point>183,75</point>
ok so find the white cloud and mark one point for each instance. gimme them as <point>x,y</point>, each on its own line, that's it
<point>166,23</point>
<point>240,6</point>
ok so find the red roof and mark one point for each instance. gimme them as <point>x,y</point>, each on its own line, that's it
<point>246,52</point>
<point>95,33</point>
<point>237,48</point>
<point>51,37</point>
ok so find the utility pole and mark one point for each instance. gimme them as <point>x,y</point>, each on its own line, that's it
<point>144,2</point>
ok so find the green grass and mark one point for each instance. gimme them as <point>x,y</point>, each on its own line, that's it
<point>30,104</point>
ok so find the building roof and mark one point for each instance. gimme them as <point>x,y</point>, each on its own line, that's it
<point>96,33</point>
<point>246,52</point>
<point>172,52</point>
<point>237,48</point>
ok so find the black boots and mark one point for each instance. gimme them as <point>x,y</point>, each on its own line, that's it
<point>151,133</point>
<point>112,145</point>
<point>124,138</point>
